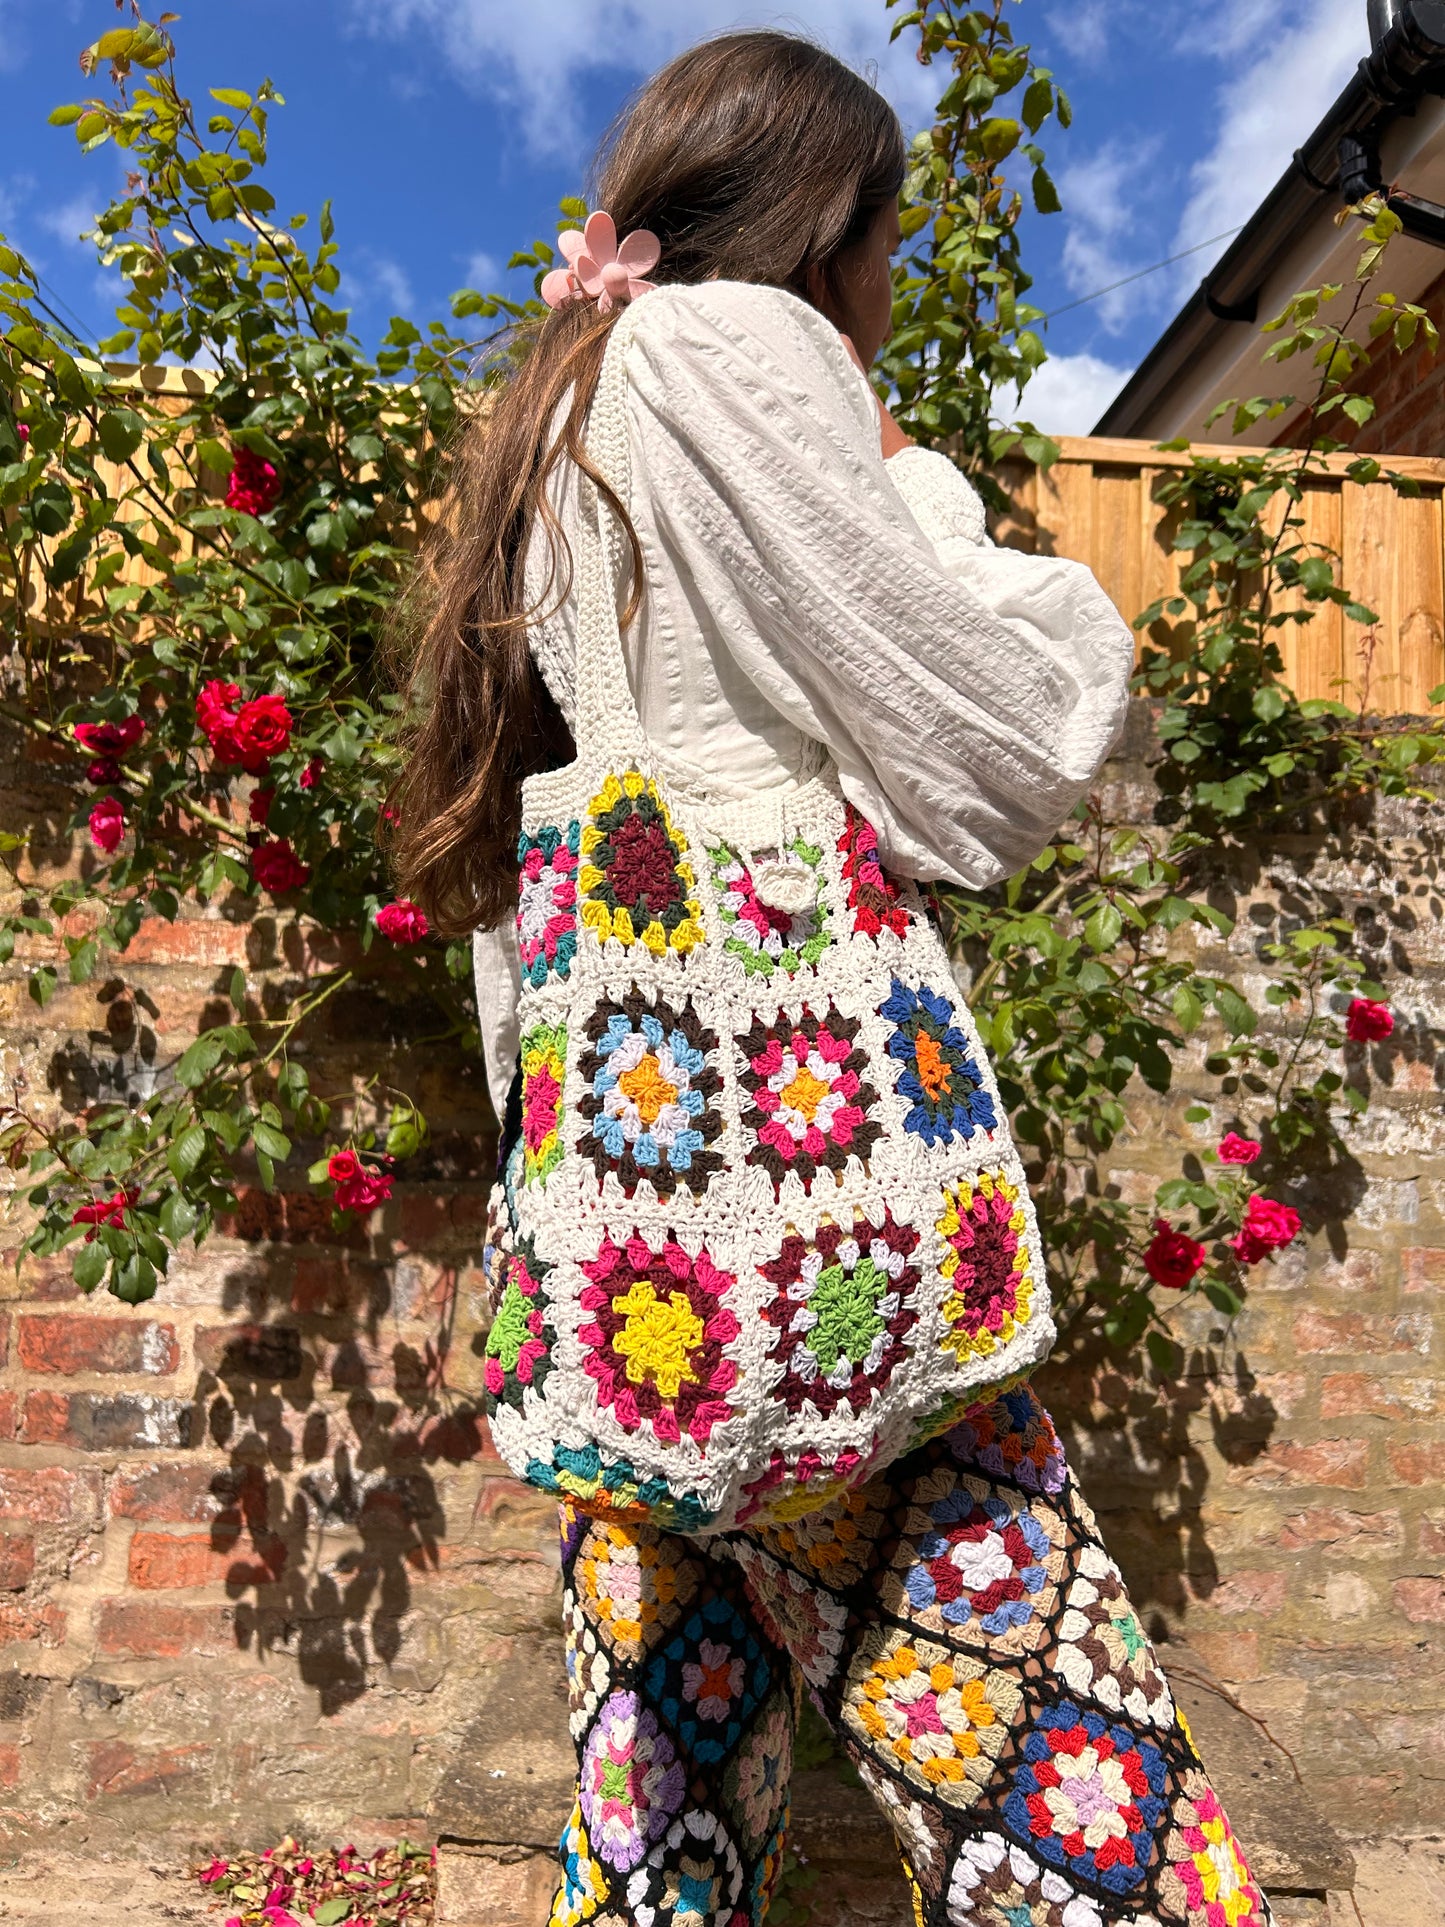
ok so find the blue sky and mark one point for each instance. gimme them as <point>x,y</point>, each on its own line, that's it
<point>446,130</point>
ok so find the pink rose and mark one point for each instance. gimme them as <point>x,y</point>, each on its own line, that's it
<point>1367,1022</point>
<point>1268,1226</point>
<point>1234,1149</point>
<point>216,715</point>
<point>22,432</point>
<point>109,739</point>
<point>254,485</point>
<point>402,921</point>
<point>103,770</point>
<point>107,824</point>
<point>357,1189</point>
<point>276,867</point>
<point>1172,1257</point>
<point>312,770</point>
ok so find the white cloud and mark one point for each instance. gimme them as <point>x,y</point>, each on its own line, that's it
<point>482,272</point>
<point>1067,395</point>
<point>530,55</point>
<point>1082,29</point>
<point>1286,64</point>
<point>71,219</point>
<point>379,282</point>
<point>1099,195</point>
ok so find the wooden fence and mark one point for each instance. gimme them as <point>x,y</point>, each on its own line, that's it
<point>1097,504</point>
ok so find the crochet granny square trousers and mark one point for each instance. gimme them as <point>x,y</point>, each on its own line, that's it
<point>969,1642</point>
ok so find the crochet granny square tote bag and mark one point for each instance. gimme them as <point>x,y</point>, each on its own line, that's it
<point>764,1228</point>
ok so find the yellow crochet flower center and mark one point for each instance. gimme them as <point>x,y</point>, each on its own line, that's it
<point>606,922</point>
<point>1223,1874</point>
<point>963,1343</point>
<point>657,1337</point>
<point>646,1087</point>
<point>805,1093</point>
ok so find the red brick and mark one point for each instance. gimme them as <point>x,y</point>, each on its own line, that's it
<point>1259,1594</point>
<point>1350,1333</point>
<point>166,1559</point>
<point>1432,1534</point>
<point>9,1414</point>
<point>96,1422</point>
<point>9,1766</point>
<point>1422,1601</point>
<point>1370,1395</point>
<point>72,1343</point>
<point>336,1284</point>
<point>21,1624</point>
<point>189,940</point>
<point>287,1217</point>
<point>115,1768</point>
<point>147,1629</point>
<point>1337,1462</point>
<point>1416,1463</point>
<point>17,1562</point>
<point>1355,1534</point>
<point>1423,1269</point>
<point>183,1494</point>
<point>46,1495</point>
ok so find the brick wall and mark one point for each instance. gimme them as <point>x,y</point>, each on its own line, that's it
<point>258,1567</point>
<point>1408,391</point>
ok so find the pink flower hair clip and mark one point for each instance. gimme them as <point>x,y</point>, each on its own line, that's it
<point>600,270</point>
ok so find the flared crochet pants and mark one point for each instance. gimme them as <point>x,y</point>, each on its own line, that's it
<point>969,1642</point>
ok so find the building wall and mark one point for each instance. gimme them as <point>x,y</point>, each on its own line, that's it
<point>258,1566</point>
<point>1408,391</point>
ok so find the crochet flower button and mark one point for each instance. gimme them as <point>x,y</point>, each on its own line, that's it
<point>691,1878</point>
<point>994,1879</point>
<point>986,1264</point>
<point>657,1337</point>
<point>636,881</point>
<point>874,899</point>
<point>756,1783</point>
<point>519,1341</point>
<point>1104,1653</point>
<point>982,1564</point>
<point>651,1098</point>
<point>787,930</point>
<point>1205,1859</point>
<point>846,1303</point>
<point>631,1782</point>
<point>632,1586</point>
<point>939,1717</point>
<point>1090,1794</point>
<point>709,1678</point>
<point>1011,1437</point>
<point>811,1100</point>
<point>936,1075</point>
<point>547,911</point>
<point>544,1071</point>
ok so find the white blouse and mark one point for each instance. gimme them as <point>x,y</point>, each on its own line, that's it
<point>801,595</point>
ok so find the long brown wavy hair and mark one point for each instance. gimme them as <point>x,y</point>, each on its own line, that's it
<point>753,157</point>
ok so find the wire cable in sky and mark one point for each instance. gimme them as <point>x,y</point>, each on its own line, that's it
<point>84,331</point>
<point>1098,294</point>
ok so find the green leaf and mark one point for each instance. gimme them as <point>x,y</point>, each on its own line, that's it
<point>274,1143</point>
<point>186,1152</point>
<point>88,1265</point>
<point>178,1218</point>
<point>331,1911</point>
<point>121,433</point>
<point>1103,928</point>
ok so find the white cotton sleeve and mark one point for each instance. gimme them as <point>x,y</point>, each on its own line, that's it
<point>968,694</point>
<point>497,971</point>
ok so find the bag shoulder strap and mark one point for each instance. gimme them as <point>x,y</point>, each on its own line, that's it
<point>606,715</point>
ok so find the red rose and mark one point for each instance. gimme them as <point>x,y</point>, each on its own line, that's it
<point>1367,1022</point>
<point>402,921</point>
<point>1172,1258</point>
<point>22,431</point>
<point>216,716</point>
<point>109,739</point>
<point>357,1189</point>
<point>276,867</point>
<point>259,808</point>
<point>1268,1226</point>
<point>261,730</point>
<point>107,824</point>
<point>103,770</point>
<point>311,772</point>
<point>254,485</point>
<point>109,1210</point>
<point>1234,1149</point>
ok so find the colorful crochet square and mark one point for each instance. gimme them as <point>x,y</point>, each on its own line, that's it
<point>692,1877</point>
<point>791,1488</point>
<point>1012,1437</point>
<point>1206,1859</point>
<point>995,1880</point>
<point>636,881</point>
<point>633,1588</point>
<point>811,1103</point>
<point>1104,1653</point>
<point>584,1884</point>
<point>547,907</point>
<point>938,1717</point>
<point>657,1338</point>
<point>652,1092</point>
<point>708,1679</point>
<point>519,1339</point>
<point>937,1075</point>
<point>873,897</point>
<point>755,1785</point>
<point>798,1616</point>
<point>833,1540</point>
<point>631,1782</point>
<point>987,1265</point>
<point>1091,1795</point>
<point>544,1072</point>
<point>846,1303</point>
<point>791,928</point>
<point>589,1671</point>
<point>979,1562</point>
<point>615,1490</point>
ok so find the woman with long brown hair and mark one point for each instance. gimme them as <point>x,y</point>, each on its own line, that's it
<point>714,668</point>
